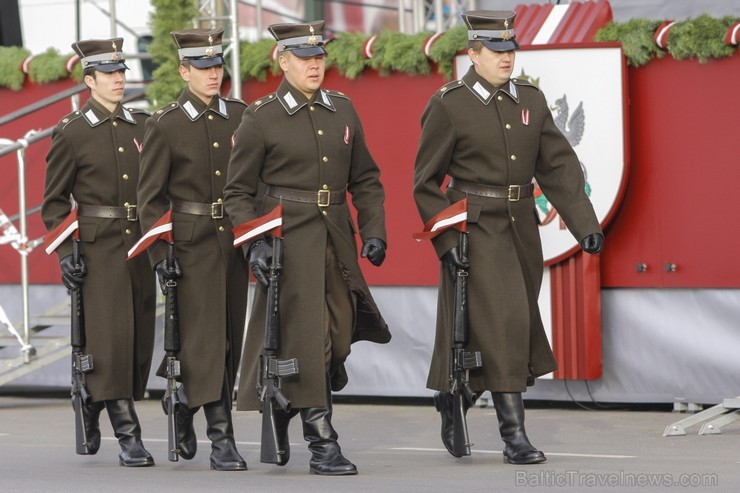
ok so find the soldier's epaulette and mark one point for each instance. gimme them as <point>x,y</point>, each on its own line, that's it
<point>139,111</point>
<point>234,100</point>
<point>337,94</point>
<point>69,119</point>
<point>164,110</point>
<point>259,103</point>
<point>449,86</point>
<point>524,83</point>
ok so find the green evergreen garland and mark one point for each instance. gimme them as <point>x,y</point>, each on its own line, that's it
<point>11,75</point>
<point>255,59</point>
<point>397,52</point>
<point>345,53</point>
<point>701,38</point>
<point>636,38</point>
<point>443,51</point>
<point>50,66</point>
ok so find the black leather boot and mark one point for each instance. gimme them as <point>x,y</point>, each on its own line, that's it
<point>91,413</point>
<point>326,455</point>
<point>444,403</point>
<point>128,431</point>
<point>185,429</point>
<point>224,456</point>
<point>510,414</point>
<point>282,422</point>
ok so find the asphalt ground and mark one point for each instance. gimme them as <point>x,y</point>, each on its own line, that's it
<point>395,445</point>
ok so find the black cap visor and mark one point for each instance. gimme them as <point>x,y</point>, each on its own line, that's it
<point>308,52</point>
<point>206,61</point>
<point>500,44</point>
<point>109,68</point>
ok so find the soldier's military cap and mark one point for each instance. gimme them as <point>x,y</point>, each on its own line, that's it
<point>102,54</point>
<point>200,47</point>
<point>303,40</point>
<point>494,28</point>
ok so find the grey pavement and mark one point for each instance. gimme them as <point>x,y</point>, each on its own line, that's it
<point>395,445</point>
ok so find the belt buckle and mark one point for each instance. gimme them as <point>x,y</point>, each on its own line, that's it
<point>131,213</point>
<point>217,210</point>
<point>325,203</point>
<point>518,189</point>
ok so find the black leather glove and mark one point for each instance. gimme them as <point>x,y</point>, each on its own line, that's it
<point>165,274</point>
<point>452,260</point>
<point>593,243</point>
<point>73,275</point>
<point>374,250</point>
<point>260,257</point>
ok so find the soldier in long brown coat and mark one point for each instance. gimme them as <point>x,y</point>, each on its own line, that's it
<point>94,157</point>
<point>307,145</point>
<point>492,135</point>
<point>183,167</point>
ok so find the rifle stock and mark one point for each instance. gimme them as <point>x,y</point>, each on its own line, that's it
<point>272,369</point>
<point>81,363</point>
<point>462,361</point>
<point>170,401</point>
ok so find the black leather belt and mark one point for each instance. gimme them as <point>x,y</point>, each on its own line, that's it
<point>512,192</point>
<point>322,198</point>
<point>127,212</point>
<point>215,209</point>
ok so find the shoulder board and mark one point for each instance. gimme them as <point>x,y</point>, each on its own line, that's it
<point>69,119</point>
<point>164,110</point>
<point>336,94</point>
<point>524,83</point>
<point>264,100</point>
<point>234,100</point>
<point>449,87</point>
<point>138,111</point>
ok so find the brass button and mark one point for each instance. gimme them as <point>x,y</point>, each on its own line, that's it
<point>312,108</point>
<point>221,228</point>
<point>218,172</point>
<point>325,187</point>
<point>508,126</point>
<point>215,144</point>
<point>513,219</point>
<point>66,120</point>
<point>513,157</point>
<point>325,213</point>
<point>125,176</point>
<point>326,159</point>
<point>321,132</point>
<point>120,149</point>
<point>500,98</point>
<point>125,204</point>
<point>220,201</point>
<point>210,117</point>
<point>128,231</point>
<point>115,124</point>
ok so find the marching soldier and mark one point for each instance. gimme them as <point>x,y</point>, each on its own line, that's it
<point>183,168</point>
<point>492,134</point>
<point>307,145</point>
<point>94,157</point>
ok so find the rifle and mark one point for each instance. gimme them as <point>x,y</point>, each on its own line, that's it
<point>272,369</point>
<point>81,363</point>
<point>462,361</point>
<point>170,401</point>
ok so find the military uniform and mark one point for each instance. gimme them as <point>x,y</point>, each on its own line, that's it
<point>309,153</point>
<point>183,168</point>
<point>94,157</point>
<point>495,140</point>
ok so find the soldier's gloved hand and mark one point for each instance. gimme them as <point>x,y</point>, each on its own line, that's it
<point>72,275</point>
<point>374,250</point>
<point>164,273</point>
<point>593,243</point>
<point>260,256</point>
<point>452,260</point>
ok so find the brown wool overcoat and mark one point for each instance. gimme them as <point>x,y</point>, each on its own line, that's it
<point>185,157</point>
<point>94,156</point>
<point>287,141</point>
<point>498,136</point>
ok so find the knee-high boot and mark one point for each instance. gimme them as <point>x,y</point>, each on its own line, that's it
<point>91,414</point>
<point>510,414</point>
<point>185,429</point>
<point>326,455</point>
<point>224,456</point>
<point>128,431</point>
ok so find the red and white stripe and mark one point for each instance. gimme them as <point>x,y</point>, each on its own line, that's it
<point>454,216</point>
<point>429,42</point>
<point>161,230</point>
<point>367,46</point>
<point>733,35</point>
<point>271,222</point>
<point>65,229</point>
<point>662,33</point>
